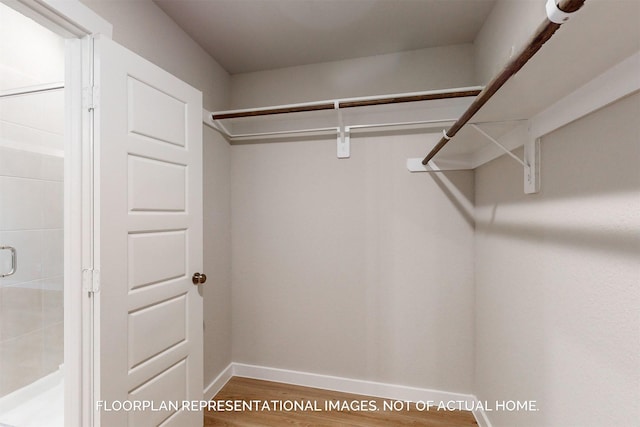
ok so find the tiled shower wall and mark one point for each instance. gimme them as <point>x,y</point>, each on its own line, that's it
<point>31,300</point>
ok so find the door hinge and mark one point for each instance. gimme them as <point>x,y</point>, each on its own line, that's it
<point>91,280</point>
<point>90,98</point>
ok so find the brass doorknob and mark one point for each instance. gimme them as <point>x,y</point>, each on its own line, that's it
<point>199,278</point>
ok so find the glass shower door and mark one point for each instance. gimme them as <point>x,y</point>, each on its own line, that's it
<point>31,267</point>
<point>31,271</point>
<point>31,222</point>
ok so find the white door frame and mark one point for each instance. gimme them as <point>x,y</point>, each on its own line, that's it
<point>76,23</point>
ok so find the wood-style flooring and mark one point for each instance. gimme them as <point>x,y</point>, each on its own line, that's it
<point>265,402</point>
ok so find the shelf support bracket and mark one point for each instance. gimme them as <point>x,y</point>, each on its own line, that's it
<point>532,159</point>
<point>344,140</point>
<point>531,162</point>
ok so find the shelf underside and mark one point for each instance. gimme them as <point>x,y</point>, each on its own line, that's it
<point>574,56</point>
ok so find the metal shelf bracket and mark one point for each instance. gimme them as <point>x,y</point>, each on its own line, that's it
<point>532,160</point>
<point>530,164</point>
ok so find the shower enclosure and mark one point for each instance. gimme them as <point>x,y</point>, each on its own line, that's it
<point>31,221</point>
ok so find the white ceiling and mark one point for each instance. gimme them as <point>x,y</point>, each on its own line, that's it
<point>255,35</point>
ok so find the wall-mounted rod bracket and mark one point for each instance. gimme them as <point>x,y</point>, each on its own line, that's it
<point>555,14</point>
<point>344,143</point>
<point>344,139</point>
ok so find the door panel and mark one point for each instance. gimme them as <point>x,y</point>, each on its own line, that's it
<point>156,257</point>
<point>142,121</point>
<point>146,176</point>
<point>148,205</point>
<point>169,385</point>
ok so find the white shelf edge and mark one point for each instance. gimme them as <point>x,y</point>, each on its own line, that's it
<point>440,165</point>
<point>354,99</point>
<point>617,82</point>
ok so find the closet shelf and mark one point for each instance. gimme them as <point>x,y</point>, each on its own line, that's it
<point>350,103</point>
<point>342,117</point>
<point>523,110</point>
<point>427,113</point>
<point>344,114</point>
<point>567,79</point>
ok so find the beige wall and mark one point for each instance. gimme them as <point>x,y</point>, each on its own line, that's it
<point>353,268</point>
<point>145,29</point>
<point>557,277</point>
<point>217,255</point>
<point>418,70</point>
<point>359,269</point>
<point>594,46</point>
<point>506,30</point>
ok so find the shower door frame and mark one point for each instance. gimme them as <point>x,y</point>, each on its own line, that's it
<point>77,24</point>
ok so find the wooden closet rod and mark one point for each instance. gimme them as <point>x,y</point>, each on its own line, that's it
<point>410,98</point>
<point>542,34</point>
<point>272,111</point>
<point>347,103</point>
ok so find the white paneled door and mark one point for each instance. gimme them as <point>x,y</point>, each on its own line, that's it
<point>148,225</point>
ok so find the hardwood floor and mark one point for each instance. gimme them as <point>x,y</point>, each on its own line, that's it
<point>272,404</point>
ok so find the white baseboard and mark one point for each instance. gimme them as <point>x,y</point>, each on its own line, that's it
<point>216,385</point>
<point>345,385</point>
<point>348,385</point>
<point>481,418</point>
